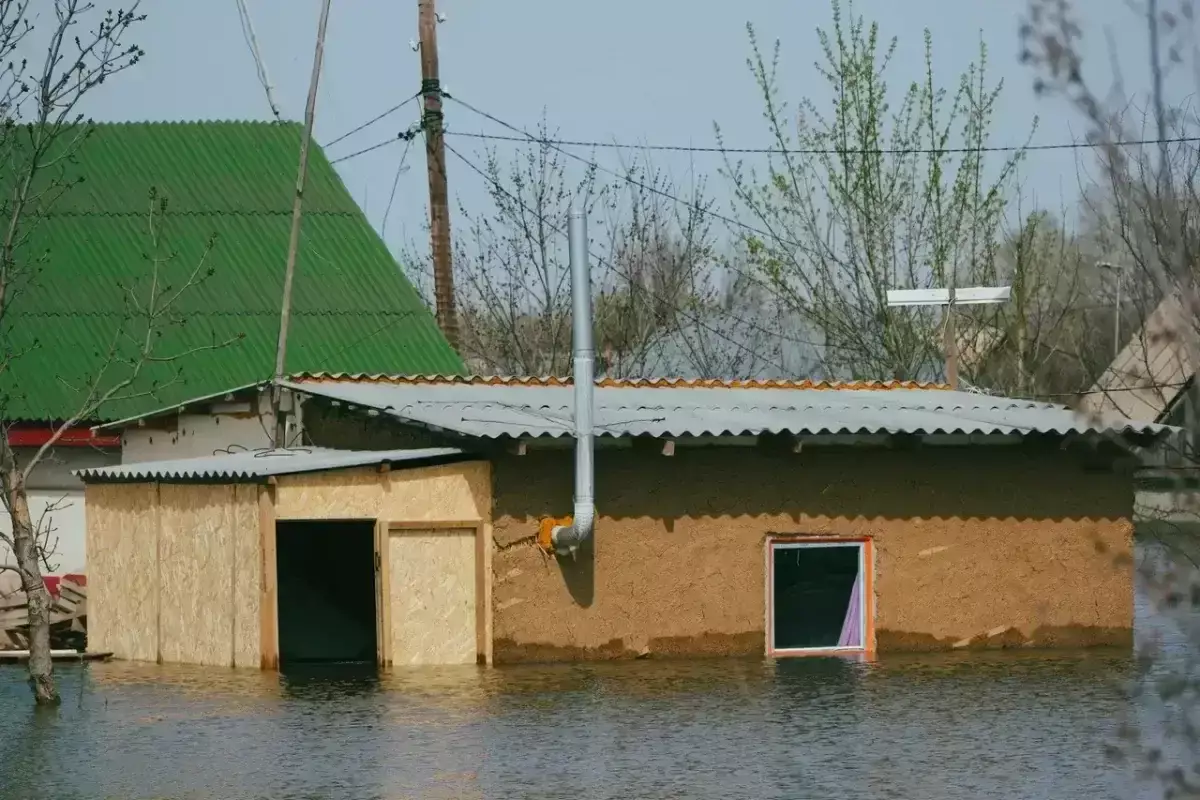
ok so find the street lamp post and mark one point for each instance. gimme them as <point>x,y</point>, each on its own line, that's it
<point>1119,271</point>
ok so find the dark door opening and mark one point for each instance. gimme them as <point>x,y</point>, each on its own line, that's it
<point>326,581</point>
<point>816,596</point>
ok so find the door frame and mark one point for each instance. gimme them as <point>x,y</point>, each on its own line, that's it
<point>483,581</point>
<point>866,566</point>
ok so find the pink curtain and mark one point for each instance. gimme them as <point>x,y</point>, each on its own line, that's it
<point>852,626</point>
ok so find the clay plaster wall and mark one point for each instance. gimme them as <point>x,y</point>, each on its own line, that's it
<point>175,572</point>
<point>973,547</point>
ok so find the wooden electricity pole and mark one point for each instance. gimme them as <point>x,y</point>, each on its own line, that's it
<point>950,343</point>
<point>285,313</point>
<point>435,159</point>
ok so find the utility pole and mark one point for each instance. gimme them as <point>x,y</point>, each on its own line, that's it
<point>976,295</point>
<point>435,160</point>
<point>950,342</point>
<point>285,313</point>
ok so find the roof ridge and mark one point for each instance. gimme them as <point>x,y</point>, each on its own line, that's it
<point>657,382</point>
<point>184,122</point>
<point>201,213</point>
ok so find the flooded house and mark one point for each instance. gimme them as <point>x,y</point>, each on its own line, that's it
<point>427,520</point>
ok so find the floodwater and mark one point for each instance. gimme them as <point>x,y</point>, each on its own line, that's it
<point>1017,725</point>
<point>948,726</point>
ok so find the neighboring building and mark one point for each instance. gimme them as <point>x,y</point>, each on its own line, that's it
<point>733,518</point>
<point>352,308</point>
<point>1147,379</point>
<point>1151,380</point>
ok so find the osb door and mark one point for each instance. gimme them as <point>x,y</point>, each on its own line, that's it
<point>432,586</point>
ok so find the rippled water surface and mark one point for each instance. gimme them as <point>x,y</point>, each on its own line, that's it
<point>1008,726</point>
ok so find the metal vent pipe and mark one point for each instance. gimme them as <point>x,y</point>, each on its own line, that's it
<point>567,538</point>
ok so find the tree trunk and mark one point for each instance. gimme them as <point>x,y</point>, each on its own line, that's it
<point>25,545</point>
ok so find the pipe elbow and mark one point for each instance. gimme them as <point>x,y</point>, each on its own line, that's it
<point>566,539</point>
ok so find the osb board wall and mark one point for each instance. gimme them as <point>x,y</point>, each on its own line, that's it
<point>432,576</point>
<point>979,547</point>
<point>178,576</point>
<point>122,542</point>
<point>428,494</point>
<point>209,574</point>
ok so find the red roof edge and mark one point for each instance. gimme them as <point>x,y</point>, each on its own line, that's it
<point>38,435</point>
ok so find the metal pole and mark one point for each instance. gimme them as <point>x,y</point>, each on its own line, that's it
<point>285,314</point>
<point>435,160</point>
<point>566,540</point>
<point>1117,317</point>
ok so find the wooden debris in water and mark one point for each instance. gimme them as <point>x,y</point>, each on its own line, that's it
<point>68,618</point>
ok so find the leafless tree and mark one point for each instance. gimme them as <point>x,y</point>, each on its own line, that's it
<point>1151,191</point>
<point>663,298</point>
<point>42,132</point>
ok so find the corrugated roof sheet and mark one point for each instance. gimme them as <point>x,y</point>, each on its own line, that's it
<point>542,407</point>
<point>662,382</point>
<point>352,307</point>
<point>258,464</point>
<point>1151,370</point>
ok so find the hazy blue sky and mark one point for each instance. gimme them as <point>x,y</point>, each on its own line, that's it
<point>651,71</point>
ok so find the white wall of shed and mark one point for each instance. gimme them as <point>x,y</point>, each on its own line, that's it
<point>51,485</point>
<point>63,512</point>
<point>201,434</point>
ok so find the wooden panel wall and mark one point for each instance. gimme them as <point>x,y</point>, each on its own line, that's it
<point>432,576</point>
<point>178,569</point>
<point>444,497</point>
<point>122,542</point>
<point>432,494</point>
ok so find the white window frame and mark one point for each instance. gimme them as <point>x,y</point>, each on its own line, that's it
<point>797,544</point>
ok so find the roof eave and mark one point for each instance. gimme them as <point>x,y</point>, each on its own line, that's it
<point>177,408</point>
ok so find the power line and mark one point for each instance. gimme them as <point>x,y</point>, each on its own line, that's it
<point>528,137</point>
<point>604,262</point>
<point>403,136</point>
<point>627,178</point>
<point>667,195</point>
<point>366,150</point>
<point>368,124</point>
<point>395,182</point>
<point>259,64</point>
<point>559,144</point>
<point>674,148</point>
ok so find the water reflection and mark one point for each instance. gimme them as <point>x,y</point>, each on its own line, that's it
<point>1012,725</point>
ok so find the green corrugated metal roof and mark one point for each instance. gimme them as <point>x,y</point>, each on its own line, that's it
<point>353,310</point>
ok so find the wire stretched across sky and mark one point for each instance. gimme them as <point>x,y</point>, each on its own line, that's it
<point>368,124</point>
<point>605,263</point>
<point>524,136</point>
<point>660,192</point>
<point>629,178</point>
<point>676,148</point>
<point>741,346</point>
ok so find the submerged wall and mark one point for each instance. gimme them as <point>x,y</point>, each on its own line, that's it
<point>174,572</point>
<point>181,573</point>
<point>973,547</point>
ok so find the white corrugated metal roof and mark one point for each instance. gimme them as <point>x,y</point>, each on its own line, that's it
<point>490,410</point>
<point>252,464</point>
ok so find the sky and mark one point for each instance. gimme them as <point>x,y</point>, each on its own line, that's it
<point>631,71</point>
